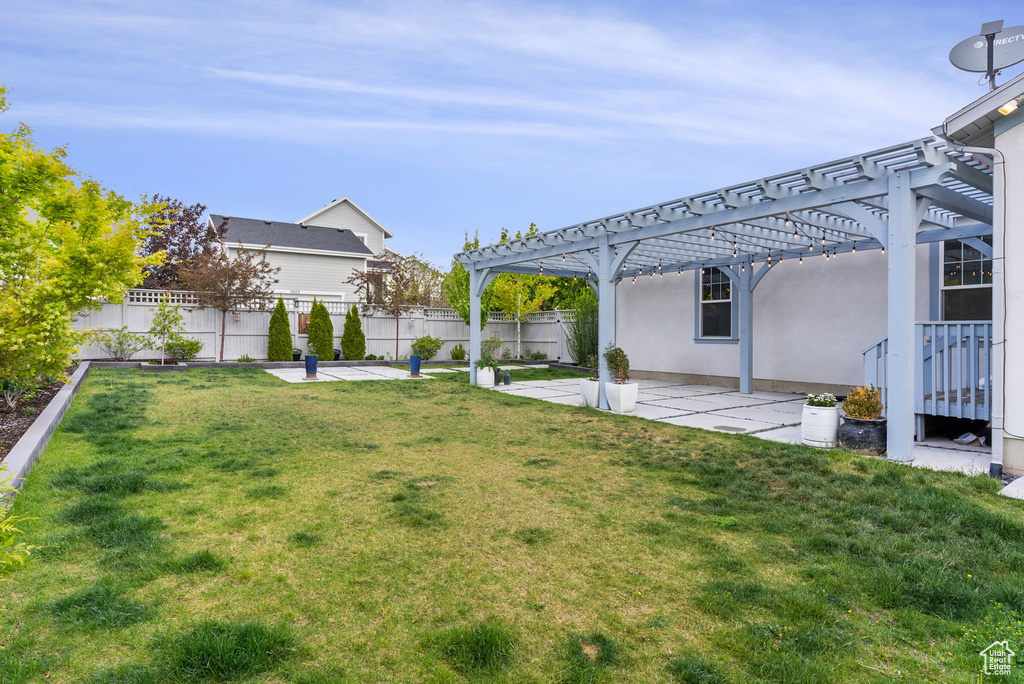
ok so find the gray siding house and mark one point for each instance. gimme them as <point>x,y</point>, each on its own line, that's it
<point>318,253</point>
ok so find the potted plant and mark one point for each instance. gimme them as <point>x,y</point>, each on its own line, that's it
<point>311,361</point>
<point>590,387</point>
<point>621,393</point>
<point>863,428</point>
<point>820,421</point>
<point>486,371</point>
<point>423,349</point>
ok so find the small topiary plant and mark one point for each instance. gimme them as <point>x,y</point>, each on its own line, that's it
<point>321,332</point>
<point>618,363</point>
<point>458,352</point>
<point>426,347</point>
<point>279,339</point>
<point>864,403</point>
<point>353,341</point>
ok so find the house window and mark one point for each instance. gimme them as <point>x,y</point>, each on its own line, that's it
<point>966,282</point>
<point>715,303</point>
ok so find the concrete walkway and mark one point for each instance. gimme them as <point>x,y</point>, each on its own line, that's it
<point>335,374</point>
<point>768,415</point>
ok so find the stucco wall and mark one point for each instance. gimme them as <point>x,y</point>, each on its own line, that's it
<point>811,321</point>
<point>1011,144</point>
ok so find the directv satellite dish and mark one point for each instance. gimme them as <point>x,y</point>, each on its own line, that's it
<point>993,49</point>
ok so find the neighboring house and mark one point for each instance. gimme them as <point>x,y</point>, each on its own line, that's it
<point>317,254</point>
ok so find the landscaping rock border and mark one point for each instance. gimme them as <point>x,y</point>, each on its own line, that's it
<point>19,460</point>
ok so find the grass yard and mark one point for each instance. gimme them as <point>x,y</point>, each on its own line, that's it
<point>222,525</point>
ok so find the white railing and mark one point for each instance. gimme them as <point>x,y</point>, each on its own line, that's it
<point>953,373</point>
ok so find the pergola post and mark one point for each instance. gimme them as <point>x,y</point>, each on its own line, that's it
<point>746,316</point>
<point>605,312</point>
<point>479,279</point>
<point>902,280</point>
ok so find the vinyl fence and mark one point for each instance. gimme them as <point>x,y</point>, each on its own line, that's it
<point>246,331</point>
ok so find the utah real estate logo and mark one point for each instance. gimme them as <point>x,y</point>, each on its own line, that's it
<point>998,658</point>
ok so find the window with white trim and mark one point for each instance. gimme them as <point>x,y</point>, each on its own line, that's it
<point>715,304</point>
<point>966,282</point>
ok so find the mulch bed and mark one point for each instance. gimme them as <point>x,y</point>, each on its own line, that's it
<point>14,425</point>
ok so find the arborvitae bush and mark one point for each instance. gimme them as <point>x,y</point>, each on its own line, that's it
<point>321,332</point>
<point>353,341</point>
<point>279,344</point>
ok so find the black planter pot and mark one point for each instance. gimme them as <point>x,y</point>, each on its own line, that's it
<point>296,354</point>
<point>862,436</point>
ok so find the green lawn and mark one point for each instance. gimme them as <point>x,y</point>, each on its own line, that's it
<point>222,525</point>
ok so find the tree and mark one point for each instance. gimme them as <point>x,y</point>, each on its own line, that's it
<point>226,283</point>
<point>279,337</point>
<point>167,324</point>
<point>353,341</point>
<point>320,340</point>
<point>582,331</point>
<point>179,231</point>
<point>66,245</point>
<point>456,287</point>
<point>396,283</point>
<point>517,295</point>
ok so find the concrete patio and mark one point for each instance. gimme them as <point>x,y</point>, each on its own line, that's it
<point>773,416</point>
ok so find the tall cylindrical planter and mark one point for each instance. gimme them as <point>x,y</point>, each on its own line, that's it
<point>862,435</point>
<point>819,425</point>
<point>414,366</point>
<point>485,377</point>
<point>311,360</point>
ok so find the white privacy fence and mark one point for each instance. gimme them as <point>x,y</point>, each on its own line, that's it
<point>246,331</point>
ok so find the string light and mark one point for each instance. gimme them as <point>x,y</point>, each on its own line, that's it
<point>712,232</point>
<point>801,260</point>
<point>883,250</point>
<point>810,247</point>
<point>563,257</point>
<point>634,279</point>
<point>680,271</point>
<point>542,269</point>
<point>787,219</point>
<point>854,246</point>
<point>733,253</point>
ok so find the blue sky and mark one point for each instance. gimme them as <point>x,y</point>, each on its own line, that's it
<point>440,118</point>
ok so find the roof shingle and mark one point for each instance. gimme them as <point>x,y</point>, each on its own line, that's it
<point>279,234</point>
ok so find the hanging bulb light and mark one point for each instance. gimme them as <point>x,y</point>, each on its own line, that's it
<point>734,254</point>
<point>542,269</point>
<point>743,268</point>
<point>712,232</point>
<point>810,247</point>
<point>680,271</point>
<point>822,239</point>
<point>883,249</point>
<point>787,219</point>
<point>634,279</point>
<point>854,246</point>
<point>801,260</point>
<point>563,257</point>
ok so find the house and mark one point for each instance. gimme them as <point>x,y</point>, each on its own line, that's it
<point>901,267</point>
<point>318,253</point>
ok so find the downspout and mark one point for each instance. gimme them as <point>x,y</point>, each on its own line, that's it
<point>995,468</point>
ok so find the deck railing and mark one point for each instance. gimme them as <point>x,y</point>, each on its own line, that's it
<point>954,369</point>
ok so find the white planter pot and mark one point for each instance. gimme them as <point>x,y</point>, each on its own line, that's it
<point>590,391</point>
<point>819,425</point>
<point>485,377</point>
<point>621,398</point>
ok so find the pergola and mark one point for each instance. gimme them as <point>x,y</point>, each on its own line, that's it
<point>890,199</point>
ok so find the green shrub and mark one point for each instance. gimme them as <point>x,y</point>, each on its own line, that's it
<point>184,349</point>
<point>490,346</point>
<point>370,357</point>
<point>426,347</point>
<point>864,403</point>
<point>279,339</point>
<point>353,341</point>
<point>321,332</point>
<point>245,358</point>
<point>13,553</point>
<point>458,352</point>
<point>119,344</point>
<point>618,363</point>
<point>581,332</point>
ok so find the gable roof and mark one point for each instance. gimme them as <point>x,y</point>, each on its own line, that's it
<point>346,200</point>
<point>279,234</point>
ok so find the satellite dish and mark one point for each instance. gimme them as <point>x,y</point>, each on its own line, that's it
<point>1007,49</point>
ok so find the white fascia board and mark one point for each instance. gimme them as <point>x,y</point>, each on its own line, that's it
<point>298,250</point>
<point>981,113</point>
<point>387,233</point>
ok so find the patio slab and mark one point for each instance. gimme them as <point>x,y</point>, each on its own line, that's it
<point>762,413</point>
<point>718,423</point>
<point>787,435</point>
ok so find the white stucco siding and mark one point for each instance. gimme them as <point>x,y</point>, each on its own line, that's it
<point>314,274</point>
<point>811,321</point>
<point>1011,144</point>
<point>343,215</point>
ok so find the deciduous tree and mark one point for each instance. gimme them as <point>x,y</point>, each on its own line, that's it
<point>66,245</point>
<point>456,287</point>
<point>227,283</point>
<point>179,231</point>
